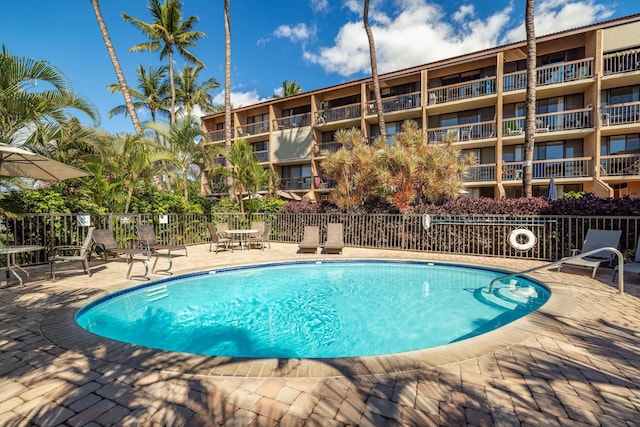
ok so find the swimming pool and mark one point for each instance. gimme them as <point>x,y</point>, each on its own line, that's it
<point>327,309</point>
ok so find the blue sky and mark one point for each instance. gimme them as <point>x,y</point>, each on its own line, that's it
<point>317,43</point>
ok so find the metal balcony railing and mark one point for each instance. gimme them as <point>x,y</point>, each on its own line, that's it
<point>621,62</point>
<point>551,122</point>
<point>466,90</point>
<point>215,136</point>
<point>346,112</point>
<point>262,155</point>
<point>480,173</point>
<point>253,129</point>
<point>396,103</point>
<point>620,165</point>
<point>550,74</point>
<point>466,132</point>
<point>296,183</point>
<point>290,122</point>
<point>553,168</point>
<point>324,148</point>
<point>620,114</point>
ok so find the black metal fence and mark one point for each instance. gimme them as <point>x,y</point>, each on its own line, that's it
<point>485,235</point>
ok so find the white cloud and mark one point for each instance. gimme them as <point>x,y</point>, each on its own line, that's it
<point>239,99</point>
<point>419,32</point>
<point>298,32</point>
<point>319,5</point>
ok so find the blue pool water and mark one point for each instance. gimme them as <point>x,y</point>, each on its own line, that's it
<point>313,309</point>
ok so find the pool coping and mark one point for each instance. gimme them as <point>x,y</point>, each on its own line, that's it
<point>60,328</point>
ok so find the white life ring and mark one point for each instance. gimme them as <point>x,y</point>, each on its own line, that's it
<point>527,235</point>
<point>426,221</point>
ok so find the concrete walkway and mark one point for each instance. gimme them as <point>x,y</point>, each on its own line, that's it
<point>576,362</point>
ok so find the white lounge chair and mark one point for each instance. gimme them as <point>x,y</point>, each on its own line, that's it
<point>595,239</point>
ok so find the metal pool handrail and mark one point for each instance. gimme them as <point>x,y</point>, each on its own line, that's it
<point>560,261</point>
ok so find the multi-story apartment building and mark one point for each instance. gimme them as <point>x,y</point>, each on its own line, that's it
<point>587,119</point>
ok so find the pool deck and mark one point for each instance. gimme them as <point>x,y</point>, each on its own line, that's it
<point>575,362</point>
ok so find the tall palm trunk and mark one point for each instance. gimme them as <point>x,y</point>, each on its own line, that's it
<point>227,90</point>
<point>530,129</point>
<point>172,82</point>
<point>374,72</point>
<point>116,65</point>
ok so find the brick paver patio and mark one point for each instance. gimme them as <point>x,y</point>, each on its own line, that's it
<point>576,362</point>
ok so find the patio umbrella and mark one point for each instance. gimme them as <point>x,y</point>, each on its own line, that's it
<point>17,162</point>
<point>552,193</point>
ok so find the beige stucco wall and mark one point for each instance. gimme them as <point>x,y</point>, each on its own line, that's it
<point>291,144</point>
<point>620,37</point>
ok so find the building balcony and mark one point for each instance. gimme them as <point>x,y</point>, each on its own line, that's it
<point>215,136</point>
<point>395,103</point>
<point>296,183</point>
<point>578,167</point>
<point>290,122</point>
<point>262,156</point>
<point>252,129</point>
<point>620,165</point>
<point>462,91</point>
<point>620,114</point>
<point>550,74</point>
<point>480,173</point>
<point>339,114</point>
<point>626,61</point>
<point>324,148</point>
<point>466,132</point>
<point>551,122</point>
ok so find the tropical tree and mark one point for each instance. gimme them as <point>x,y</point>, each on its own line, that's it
<point>530,122</point>
<point>190,93</point>
<point>118,69</point>
<point>35,99</point>
<point>353,168</point>
<point>152,93</point>
<point>180,140</point>
<point>241,167</point>
<point>169,34</point>
<point>374,72</point>
<point>289,88</point>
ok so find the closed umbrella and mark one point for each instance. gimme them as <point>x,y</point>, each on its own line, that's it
<point>552,193</point>
<point>17,162</point>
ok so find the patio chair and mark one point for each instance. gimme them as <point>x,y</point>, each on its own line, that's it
<point>310,240</point>
<point>105,243</point>
<point>262,237</point>
<point>217,239</point>
<point>335,239</point>
<point>630,267</point>
<point>72,253</point>
<point>149,242</point>
<point>595,239</point>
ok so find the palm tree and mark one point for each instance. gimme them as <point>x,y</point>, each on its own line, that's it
<point>116,66</point>
<point>374,72</point>
<point>190,93</point>
<point>168,33</point>
<point>26,111</point>
<point>530,128</point>
<point>152,93</point>
<point>289,88</point>
<point>180,140</point>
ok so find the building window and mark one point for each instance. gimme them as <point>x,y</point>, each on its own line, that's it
<point>620,144</point>
<point>620,95</point>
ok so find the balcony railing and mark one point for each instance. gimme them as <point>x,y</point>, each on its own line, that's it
<point>545,169</point>
<point>620,165</point>
<point>621,62</point>
<point>262,155</point>
<point>480,173</point>
<point>346,112</point>
<point>215,136</point>
<point>396,103</point>
<point>296,183</point>
<point>325,148</point>
<point>466,90</point>
<point>551,122</point>
<point>253,129</point>
<point>620,114</point>
<point>295,121</point>
<point>466,132</point>
<point>550,74</point>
